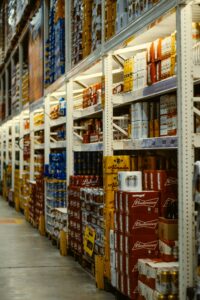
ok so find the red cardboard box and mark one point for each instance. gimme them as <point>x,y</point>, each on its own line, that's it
<point>132,286</point>
<point>121,224</point>
<point>147,243</point>
<point>168,250</point>
<point>131,265</point>
<point>121,240</point>
<point>142,203</point>
<point>141,224</point>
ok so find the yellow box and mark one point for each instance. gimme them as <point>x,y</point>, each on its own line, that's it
<point>99,271</point>
<point>110,182</point>
<point>114,164</point>
<point>109,219</point>
<point>173,65</point>
<point>109,199</point>
<point>107,269</point>
<point>89,240</point>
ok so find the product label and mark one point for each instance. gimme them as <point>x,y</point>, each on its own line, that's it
<point>148,224</point>
<point>148,246</point>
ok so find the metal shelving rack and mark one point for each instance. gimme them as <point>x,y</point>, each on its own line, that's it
<point>185,142</point>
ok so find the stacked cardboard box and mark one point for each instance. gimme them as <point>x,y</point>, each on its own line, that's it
<point>35,57</point>
<point>39,200</point>
<point>31,204</point>
<point>77,31</point>
<point>158,279</point>
<point>1,36</point>
<point>136,236</point>
<point>96,24</point>
<point>92,95</point>
<point>17,188</point>
<point>55,43</point>
<point>15,85</point>
<point>110,16</point>
<point>75,219</point>
<point>161,59</point>
<point>87,27</point>
<point>92,218</point>
<point>111,165</point>
<point>10,22</point>
<point>55,197</point>
<point>25,84</point>
<point>154,118</point>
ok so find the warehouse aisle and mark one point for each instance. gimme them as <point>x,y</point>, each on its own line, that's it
<point>31,268</point>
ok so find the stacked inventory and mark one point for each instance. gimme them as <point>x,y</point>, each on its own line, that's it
<point>92,95</point>
<point>111,165</point>
<point>55,44</point>
<point>88,163</point>
<point>96,24</point>
<point>39,200</point>
<point>60,223</point>
<point>17,181</point>
<point>145,219</point>
<point>87,27</point>
<point>158,279</point>
<point>15,93</point>
<point>25,84</point>
<point>89,131</point>
<point>92,219</point>
<point>152,65</point>
<point>110,16</point>
<point>154,119</point>
<point>77,31</point>
<point>26,163</point>
<point>74,215</point>
<point>118,14</point>
<point>31,203</point>
<point>1,37</point>
<point>10,22</point>
<point>55,197</point>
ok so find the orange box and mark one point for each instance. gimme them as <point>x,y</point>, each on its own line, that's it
<point>168,229</point>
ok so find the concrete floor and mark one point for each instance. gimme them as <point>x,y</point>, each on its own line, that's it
<point>32,269</point>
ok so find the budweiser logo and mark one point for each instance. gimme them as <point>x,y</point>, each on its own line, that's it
<point>150,202</point>
<point>147,246</point>
<point>168,201</point>
<point>171,181</point>
<point>148,224</point>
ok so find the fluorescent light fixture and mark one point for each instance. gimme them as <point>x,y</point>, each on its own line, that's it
<point>131,49</point>
<point>88,76</point>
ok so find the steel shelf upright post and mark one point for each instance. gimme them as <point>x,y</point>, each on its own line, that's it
<point>107,107</point>
<point>186,148</point>
<point>69,130</point>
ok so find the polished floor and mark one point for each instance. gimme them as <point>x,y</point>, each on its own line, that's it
<point>32,269</point>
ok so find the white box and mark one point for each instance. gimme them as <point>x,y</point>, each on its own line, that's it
<point>112,258</point>
<point>113,277</point>
<point>130,181</point>
<point>140,130</point>
<point>112,240</point>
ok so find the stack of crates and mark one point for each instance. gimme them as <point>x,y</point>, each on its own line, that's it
<point>77,31</point>
<point>96,24</point>
<point>17,189</point>
<point>87,27</point>
<point>111,166</point>
<point>110,17</point>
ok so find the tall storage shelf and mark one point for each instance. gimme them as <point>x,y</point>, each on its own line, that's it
<point>55,153</point>
<point>100,125</point>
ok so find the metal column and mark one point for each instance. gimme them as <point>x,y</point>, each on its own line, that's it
<point>108,107</point>
<point>185,148</point>
<point>69,130</point>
